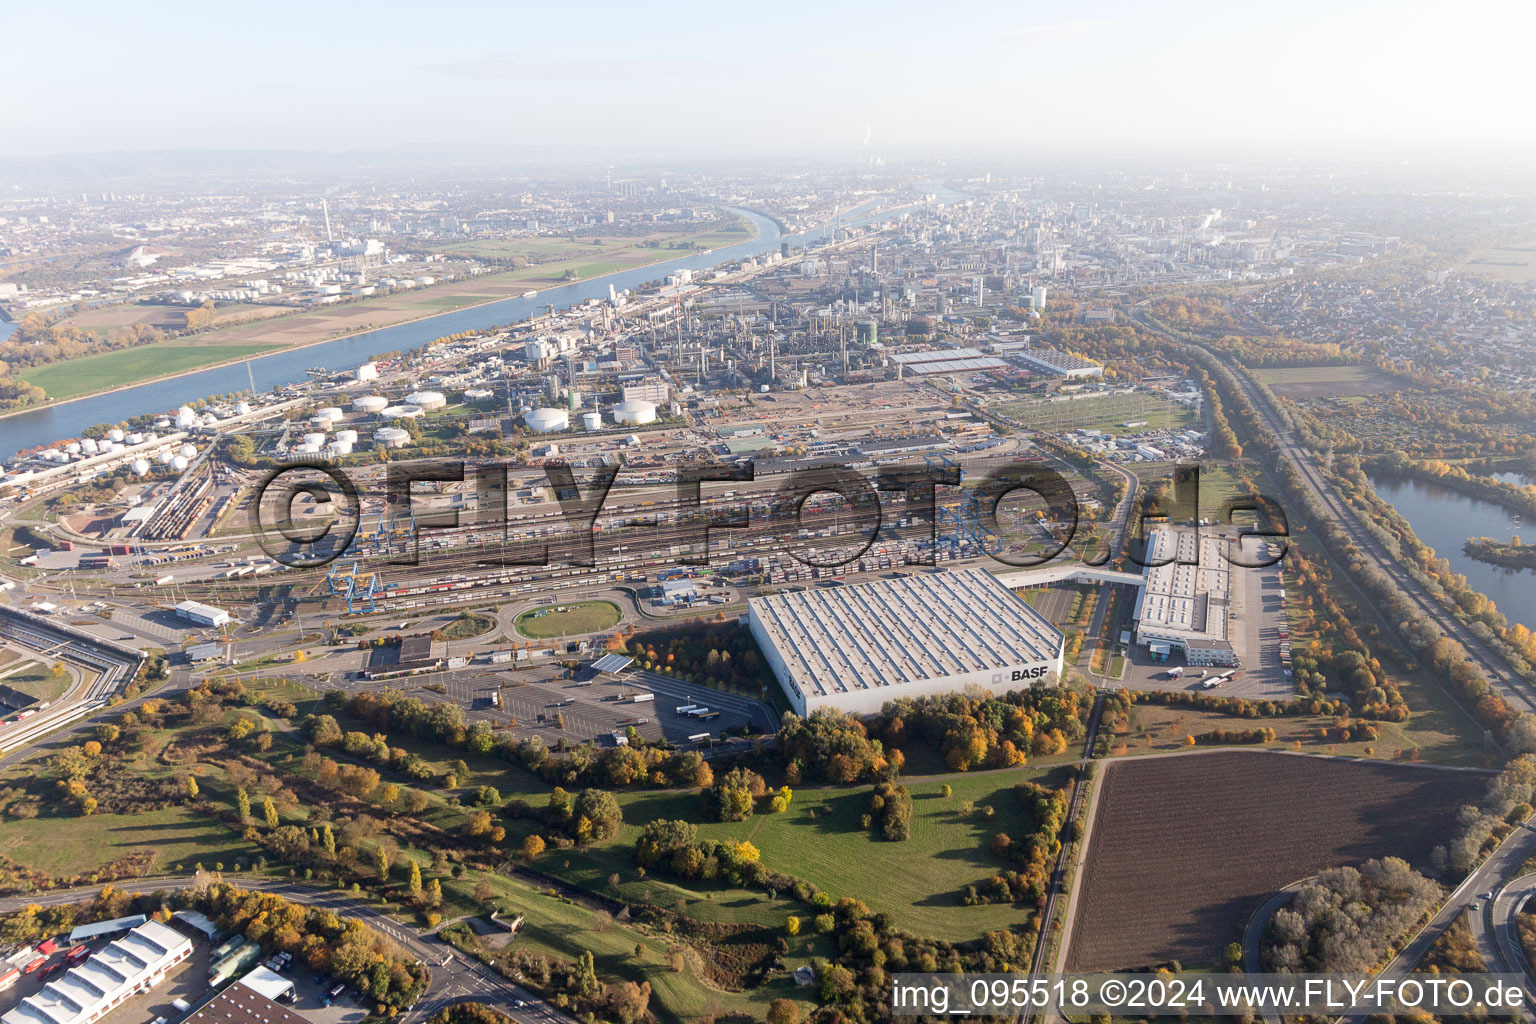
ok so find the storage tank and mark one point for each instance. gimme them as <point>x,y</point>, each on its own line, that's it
<point>428,400</point>
<point>166,457</point>
<point>368,371</point>
<point>73,448</point>
<point>135,438</point>
<point>592,421</point>
<point>340,447</point>
<point>573,399</point>
<point>180,463</point>
<point>115,435</point>
<point>545,421</point>
<point>315,438</point>
<point>635,412</point>
<point>479,395</point>
<point>346,437</point>
<point>185,417</point>
<point>391,437</point>
<point>307,448</point>
<point>242,408</point>
<point>370,404</point>
<point>401,412</point>
<point>187,451</point>
<point>330,414</point>
<point>141,466</point>
<point>89,446</point>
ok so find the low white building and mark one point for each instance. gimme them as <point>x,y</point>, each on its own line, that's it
<point>122,969</point>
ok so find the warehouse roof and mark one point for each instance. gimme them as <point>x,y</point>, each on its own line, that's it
<point>901,631</point>
<point>1187,598</point>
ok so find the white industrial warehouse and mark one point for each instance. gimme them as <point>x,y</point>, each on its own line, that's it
<point>135,963</point>
<point>1184,604</point>
<point>856,647</point>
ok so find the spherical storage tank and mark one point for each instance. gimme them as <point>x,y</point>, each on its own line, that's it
<point>634,412</point>
<point>346,437</point>
<point>166,457</point>
<point>180,463</point>
<point>545,421</point>
<point>185,417</point>
<point>187,451</point>
<point>141,466</point>
<point>370,404</point>
<point>428,400</point>
<point>391,437</point>
<point>592,421</point>
<point>243,409</point>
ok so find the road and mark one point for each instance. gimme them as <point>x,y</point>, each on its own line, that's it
<point>455,978</point>
<point>1080,785</point>
<point>1499,938</point>
<point>1304,462</point>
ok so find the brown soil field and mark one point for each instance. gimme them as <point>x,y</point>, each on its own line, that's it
<point>1183,849</point>
<point>1304,382</point>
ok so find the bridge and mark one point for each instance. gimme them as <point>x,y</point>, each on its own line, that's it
<point>1068,572</point>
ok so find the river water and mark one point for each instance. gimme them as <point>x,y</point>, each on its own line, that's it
<point>1445,520</point>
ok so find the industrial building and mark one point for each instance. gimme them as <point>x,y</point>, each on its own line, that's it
<point>1184,605</point>
<point>1059,364</point>
<point>856,647</point>
<point>202,614</point>
<point>240,1004</point>
<point>135,963</point>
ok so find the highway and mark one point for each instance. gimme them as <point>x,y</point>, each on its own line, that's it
<point>454,977</point>
<point>1516,692</point>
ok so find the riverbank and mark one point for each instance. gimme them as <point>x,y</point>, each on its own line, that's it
<point>217,360</point>
<point>1500,553</point>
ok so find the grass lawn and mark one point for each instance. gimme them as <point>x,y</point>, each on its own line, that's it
<point>35,680</point>
<point>81,845</point>
<point>567,619</point>
<point>1105,413</point>
<point>469,624</point>
<point>113,369</point>
<point>565,929</point>
<point>820,839</point>
<point>1301,382</point>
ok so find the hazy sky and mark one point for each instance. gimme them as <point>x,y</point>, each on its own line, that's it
<point>736,78</point>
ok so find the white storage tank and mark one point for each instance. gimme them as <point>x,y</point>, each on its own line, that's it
<point>545,421</point>
<point>115,435</point>
<point>592,421</point>
<point>89,446</point>
<point>346,437</point>
<point>73,448</point>
<point>370,404</point>
<point>391,437</point>
<point>135,438</point>
<point>180,463</point>
<point>141,466</point>
<point>635,412</point>
<point>340,447</point>
<point>330,414</point>
<point>166,457</point>
<point>428,400</point>
<point>368,371</point>
<point>185,417</point>
<point>307,448</point>
<point>479,395</point>
<point>187,451</point>
<point>242,408</point>
<point>316,438</point>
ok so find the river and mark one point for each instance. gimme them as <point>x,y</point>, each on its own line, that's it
<point>1445,520</point>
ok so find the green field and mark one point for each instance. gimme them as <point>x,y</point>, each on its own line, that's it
<point>113,369</point>
<point>564,929</point>
<point>587,617</point>
<point>1349,382</point>
<point>1099,413</point>
<point>80,845</point>
<point>37,681</point>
